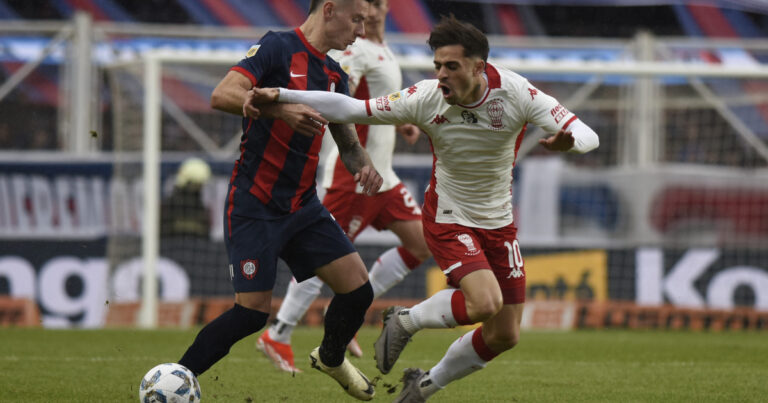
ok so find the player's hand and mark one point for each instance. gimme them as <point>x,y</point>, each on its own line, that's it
<point>369,179</point>
<point>258,96</point>
<point>562,141</point>
<point>409,132</point>
<point>302,119</point>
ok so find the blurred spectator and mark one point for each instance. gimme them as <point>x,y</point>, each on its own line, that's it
<point>183,214</point>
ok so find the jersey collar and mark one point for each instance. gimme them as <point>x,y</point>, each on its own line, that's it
<point>493,79</point>
<point>311,48</point>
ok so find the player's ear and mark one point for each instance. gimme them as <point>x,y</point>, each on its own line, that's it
<point>328,9</point>
<point>479,67</point>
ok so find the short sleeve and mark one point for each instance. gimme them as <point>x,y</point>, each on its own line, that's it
<point>260,58</point>
<point>542,109</point>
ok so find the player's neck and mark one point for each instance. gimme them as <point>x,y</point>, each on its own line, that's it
<point>313,32</point>
<point>478,93</point>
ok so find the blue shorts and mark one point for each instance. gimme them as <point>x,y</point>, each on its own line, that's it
<point>255,237</point>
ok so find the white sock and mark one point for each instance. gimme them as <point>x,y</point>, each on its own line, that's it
<point>297,300</point>
<point>388,270</point>
<point>460,360</point>
<point>434,312</point>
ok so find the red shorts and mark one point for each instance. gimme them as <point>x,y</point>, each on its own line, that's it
<point>355,211</point>
<point>460,250</point>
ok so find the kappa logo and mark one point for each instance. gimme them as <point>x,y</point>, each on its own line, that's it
<point>533,92</point>
<point>249,268</point>
<point>412,90</point>
<point>439,119</point>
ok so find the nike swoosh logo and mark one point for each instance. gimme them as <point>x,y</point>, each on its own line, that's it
<point>294,75</point>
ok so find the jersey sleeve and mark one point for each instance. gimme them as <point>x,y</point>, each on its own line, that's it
<point>542,109</point>
<point>404,106</point>
<point>260,59</point>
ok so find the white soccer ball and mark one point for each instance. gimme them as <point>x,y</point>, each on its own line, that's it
<point>169,383</point>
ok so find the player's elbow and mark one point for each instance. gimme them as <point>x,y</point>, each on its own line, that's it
<point>217,99</point>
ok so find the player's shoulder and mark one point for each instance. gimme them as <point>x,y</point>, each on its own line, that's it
<point>504,78</point>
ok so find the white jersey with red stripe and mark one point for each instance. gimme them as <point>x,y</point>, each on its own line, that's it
<point>474,146</point>
<point>373,69</point>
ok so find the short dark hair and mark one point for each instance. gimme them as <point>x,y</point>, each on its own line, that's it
<point>313,4</point>
<point>450,31</point>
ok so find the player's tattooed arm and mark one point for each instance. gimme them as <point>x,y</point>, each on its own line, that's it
<point>355,158</point>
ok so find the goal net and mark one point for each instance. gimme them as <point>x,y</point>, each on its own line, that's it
<point>678,187</point>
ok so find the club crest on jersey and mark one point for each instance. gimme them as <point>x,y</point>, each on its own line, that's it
<point>469,243</point>
<point>249,268</point>
<point>252,51</point>
<point>496,112</point>
<point>468,117</point>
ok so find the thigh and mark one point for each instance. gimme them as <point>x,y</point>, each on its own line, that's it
<point>503,253</point>
<point>252,250</point>
<point>316,240</point>
<point>456,249</point>
<point>396,204</point>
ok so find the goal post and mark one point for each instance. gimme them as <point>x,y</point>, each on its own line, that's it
<point>664,183</point>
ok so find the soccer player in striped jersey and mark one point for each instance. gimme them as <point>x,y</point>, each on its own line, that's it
<point>272,209</point>
<point>373,71</point>
<point>475,116</point>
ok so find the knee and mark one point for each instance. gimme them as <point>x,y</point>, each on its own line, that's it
<point>483,307</point>
<point>506,341</point>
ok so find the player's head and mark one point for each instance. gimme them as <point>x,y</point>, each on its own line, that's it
<point>377,16</point>
<point>342,21</point>
<point>461,52</point>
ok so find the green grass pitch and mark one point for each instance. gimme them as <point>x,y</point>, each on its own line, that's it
<point>39,365</point>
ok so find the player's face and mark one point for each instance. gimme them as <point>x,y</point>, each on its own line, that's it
<point>460,77</point>
<point>346,22</point>
<point>377,15</point>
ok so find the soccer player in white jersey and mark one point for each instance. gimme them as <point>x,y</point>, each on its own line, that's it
<point>373,71</point>
<point>475,116</point>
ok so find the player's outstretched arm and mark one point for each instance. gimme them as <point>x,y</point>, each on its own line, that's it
<point>579,138</point>
<point>333,106</point>
<point>355,158</point>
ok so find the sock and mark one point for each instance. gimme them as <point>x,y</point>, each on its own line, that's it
<point>391,268</point>
<point>466,355</point>
<point>216,338</point>
<point>447,308</point>
<point>298,298</point>
<point>344,317</point>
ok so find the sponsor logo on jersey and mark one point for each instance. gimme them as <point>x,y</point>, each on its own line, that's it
<point>496,112</point>
<point>439,119</point>
<point>252,51</point>
<point>469,243</point>
<point>559,112</point>
<point>468,117</point>
<point>249,268</point>
<point>382,104</point>
<point>394,96</point>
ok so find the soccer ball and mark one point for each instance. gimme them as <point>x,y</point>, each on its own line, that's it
<point>169,383</point>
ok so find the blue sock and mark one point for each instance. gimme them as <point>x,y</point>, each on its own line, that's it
<point>343,319</point>
<point>216,338</point>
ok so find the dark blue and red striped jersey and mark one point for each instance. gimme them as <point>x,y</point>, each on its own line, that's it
<point>277,165</point>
